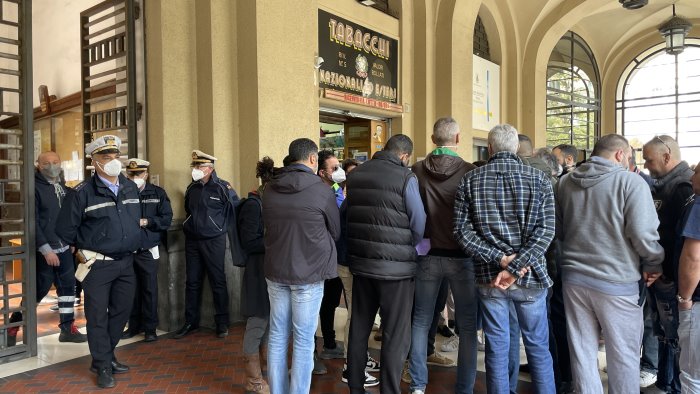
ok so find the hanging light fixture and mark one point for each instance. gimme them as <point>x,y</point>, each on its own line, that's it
<point>674,32</point>
<point>633,4</point>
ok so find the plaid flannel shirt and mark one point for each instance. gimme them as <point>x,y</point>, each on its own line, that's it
<point>504,208</point>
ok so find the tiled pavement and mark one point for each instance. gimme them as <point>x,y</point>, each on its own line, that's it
<point>199,362</point>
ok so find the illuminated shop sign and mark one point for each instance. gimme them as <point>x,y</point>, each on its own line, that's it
<point>358,61</point>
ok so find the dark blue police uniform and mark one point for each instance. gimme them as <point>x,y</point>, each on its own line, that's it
<point>155,206</point>
<point>94,218</point>
<point>208,207</point>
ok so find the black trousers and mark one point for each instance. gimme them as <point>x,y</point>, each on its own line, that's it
<point>109,294</point>
<point>559,344</point>
<point>201,255</point>
<point>395,297</point>
<point>63,277</point>
<point>144,314</point>
<point>332,290</point>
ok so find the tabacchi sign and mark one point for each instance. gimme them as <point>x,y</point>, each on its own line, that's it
<point>357,60</point>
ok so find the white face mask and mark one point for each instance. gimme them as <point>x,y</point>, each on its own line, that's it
<point>112,168</point>
<point>197,174</point>
<point>338,175</point>
<point>139,182</point>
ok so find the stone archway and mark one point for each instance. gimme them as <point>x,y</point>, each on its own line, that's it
<point>453,53</point>
<point>541,41</point>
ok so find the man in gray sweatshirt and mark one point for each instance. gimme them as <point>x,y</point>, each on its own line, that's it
<point>607,228</point>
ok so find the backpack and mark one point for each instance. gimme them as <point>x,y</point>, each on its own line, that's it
<point>239,255</point>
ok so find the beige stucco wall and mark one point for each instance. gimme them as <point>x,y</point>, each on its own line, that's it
<point>245,89</point>
<point>236,78</point>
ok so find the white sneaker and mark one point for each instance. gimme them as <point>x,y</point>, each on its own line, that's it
<point>417,392</point>
<point>646,378</point>
<point>450,345</point>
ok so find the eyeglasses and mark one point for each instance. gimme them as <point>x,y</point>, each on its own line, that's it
<point>663,142</point>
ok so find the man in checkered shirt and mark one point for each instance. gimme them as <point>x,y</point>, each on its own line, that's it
<point>504,217</point>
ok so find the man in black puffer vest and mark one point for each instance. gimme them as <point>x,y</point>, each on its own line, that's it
<point>671,191</point>
<point>385,219</point>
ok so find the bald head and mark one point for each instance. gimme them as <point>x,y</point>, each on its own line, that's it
<point>665,144</point>
<point>48,158</point>
<point>661,155</point>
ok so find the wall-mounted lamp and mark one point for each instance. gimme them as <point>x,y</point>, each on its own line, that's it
<point>367,2</point>
<point>633,4</point>
<point>675,31</point>
<point>318,61</point>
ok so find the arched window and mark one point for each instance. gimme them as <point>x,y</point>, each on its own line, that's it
<point>660,94</point>
<point>573,94</point>
<point>481,40</point>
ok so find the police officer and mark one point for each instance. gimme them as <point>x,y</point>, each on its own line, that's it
<point>101,219</point>
<point>156,215</point>
<point>209,202</point>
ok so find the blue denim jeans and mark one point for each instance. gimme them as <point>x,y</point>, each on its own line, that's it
<point>689,339</point>
<point>460,273</point>
<point>514,351</point>
<point>531,309</point>
<point>293,310</point>
<point>668,378</point>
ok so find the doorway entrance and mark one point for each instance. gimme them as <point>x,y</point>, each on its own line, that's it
<point>352,137</point>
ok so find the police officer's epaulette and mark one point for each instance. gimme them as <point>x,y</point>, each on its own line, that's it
<point>190,185</point>
<point>225,183</point>
<point>81,185</point>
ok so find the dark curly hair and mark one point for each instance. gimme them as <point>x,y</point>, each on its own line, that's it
<point>348,163</point>
<point>265,169</point>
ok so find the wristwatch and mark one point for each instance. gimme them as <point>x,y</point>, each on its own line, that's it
<point>684,300</point>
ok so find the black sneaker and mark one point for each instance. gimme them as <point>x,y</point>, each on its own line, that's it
<point>221,330</point>
<point>445,331</point>
<point>72,335</point>
<point>372,364</point>
<point>370,381</point>
<point>12,331</point>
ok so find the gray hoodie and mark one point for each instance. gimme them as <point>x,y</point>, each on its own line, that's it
<point>607,228</point>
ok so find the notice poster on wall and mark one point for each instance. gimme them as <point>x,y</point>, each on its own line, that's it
<point>486,94</point>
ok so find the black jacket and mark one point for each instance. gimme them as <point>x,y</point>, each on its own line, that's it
<point>48,199</point>
<point>94,218</point>
<point>670,193</point>
<point>301,226</point>
<point>380,243</point>
<point>208,207</point>
<point>254,298</point>
<point>155,206</point>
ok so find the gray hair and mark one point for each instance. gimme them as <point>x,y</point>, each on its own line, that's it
<point>546,156</point>
<point>525,148</point>
<point>503,138</point>
<point>445,130</point>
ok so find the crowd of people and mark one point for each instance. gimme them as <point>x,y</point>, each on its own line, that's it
<point>527,244</point>
<point>530,244</point>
